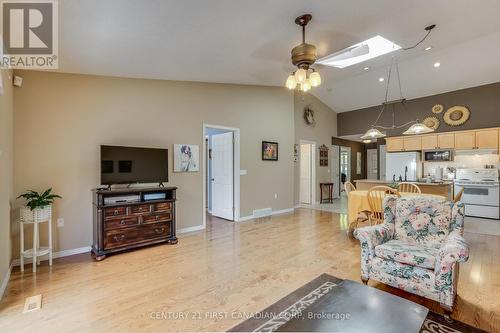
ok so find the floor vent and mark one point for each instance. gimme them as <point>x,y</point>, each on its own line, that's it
<point>33,303</point>
<point>262,212</point>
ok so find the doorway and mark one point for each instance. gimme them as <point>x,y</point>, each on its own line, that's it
<point>307,172</point>
<point>221,179</point>
<point>345,165</point>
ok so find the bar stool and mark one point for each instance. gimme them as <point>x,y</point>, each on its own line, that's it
<point>35,217</point>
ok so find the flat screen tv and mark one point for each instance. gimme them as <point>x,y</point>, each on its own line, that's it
<point>127,165</point>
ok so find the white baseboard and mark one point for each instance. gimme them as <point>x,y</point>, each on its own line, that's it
<point>5,280</point>
<point>245,218</point>
<point>59,254</point>
<point>276,212</point>
<point>190,229</point>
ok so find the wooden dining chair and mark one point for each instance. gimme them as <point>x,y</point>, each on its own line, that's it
<point>458,196</point>
<point>408,188</point>
<point>348,187</point>
<point>376,197</point>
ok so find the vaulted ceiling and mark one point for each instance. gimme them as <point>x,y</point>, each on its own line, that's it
<point>249,42</point>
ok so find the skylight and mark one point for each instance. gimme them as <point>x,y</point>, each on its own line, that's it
<point>368,49</point>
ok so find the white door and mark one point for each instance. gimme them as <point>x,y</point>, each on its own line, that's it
<point>222,176</point>
<point>305,174</point>
<point>383,151</point>
<point>335,171</point>
<point>371,164</point>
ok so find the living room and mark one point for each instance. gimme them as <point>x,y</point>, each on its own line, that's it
<point>252,113</point>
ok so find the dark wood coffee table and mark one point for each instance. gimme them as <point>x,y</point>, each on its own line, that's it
<point>354,307</point>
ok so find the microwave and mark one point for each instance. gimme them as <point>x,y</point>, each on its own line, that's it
<point>437,155</point>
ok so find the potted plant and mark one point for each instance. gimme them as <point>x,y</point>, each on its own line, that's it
<point>38,206</point>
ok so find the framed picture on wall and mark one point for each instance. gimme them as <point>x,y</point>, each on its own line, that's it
<point>323,156</point>
<point>186,158</point>
<point>269,151</point>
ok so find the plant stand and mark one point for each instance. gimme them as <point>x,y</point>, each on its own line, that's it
<point>35,217</point>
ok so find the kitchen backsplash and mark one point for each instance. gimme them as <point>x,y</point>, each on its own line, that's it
<point>477,161</point>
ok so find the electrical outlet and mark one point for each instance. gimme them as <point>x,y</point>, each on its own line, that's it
<point>275,195</point>
<point>60,222</point>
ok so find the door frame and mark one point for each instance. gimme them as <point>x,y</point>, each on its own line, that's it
<point>313,168</point>
<point>336,192</point>
<point>236,171</point>
<point>368,151</point>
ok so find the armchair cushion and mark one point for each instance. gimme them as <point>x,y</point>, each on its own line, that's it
<point>419,255</point>
<point>422,219</point>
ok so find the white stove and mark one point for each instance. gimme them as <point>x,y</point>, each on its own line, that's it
<point>481,192</point>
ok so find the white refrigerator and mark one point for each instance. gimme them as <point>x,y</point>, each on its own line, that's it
<point>399,164</point>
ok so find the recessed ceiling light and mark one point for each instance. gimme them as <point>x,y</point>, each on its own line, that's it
<point>380,79</point>
<point>368,49</point>
<point>428,48</point>
<point>366,68</point>
<point>437,64</point>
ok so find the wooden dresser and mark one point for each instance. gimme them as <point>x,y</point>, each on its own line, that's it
<point>119,226</point>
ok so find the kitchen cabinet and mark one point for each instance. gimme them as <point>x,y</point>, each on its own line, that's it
<point>469,139</point>
<point>429,142</point>
<point>487,139</point>
<point>394,144</point>
<point>465,140</point>
<point>412,143</point>
<point>446,140</point>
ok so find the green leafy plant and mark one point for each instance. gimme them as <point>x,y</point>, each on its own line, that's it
<point>393,185</point>
<point>36,200</point>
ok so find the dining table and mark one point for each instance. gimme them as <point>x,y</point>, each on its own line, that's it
<point>357,201</point>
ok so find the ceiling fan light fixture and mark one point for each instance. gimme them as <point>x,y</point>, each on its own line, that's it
<point>303,57</point>
<point>306,85</point>
<point>418,128</point>
<point>315,79</point>
<point>300,75</point>
<point>373,133</point>
<point>291,83</point>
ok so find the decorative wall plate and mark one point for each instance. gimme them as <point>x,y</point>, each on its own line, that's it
<point>456,115</point>
<point>432,122</point>
<point>438,108</point>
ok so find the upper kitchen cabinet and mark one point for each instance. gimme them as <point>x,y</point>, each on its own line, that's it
<point>465,140</point>
<point>412,143</point>
<point>446,140</point>
<point>487,138</point>
<point>429,142</point>
<point>394,144</point>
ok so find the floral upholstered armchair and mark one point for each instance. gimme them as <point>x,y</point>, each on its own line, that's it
<point>417,248</point>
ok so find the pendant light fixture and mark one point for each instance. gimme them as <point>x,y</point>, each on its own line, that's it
<point>416,126</point>
<point>303,56</point>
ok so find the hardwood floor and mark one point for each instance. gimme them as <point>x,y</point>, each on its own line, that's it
<point>229,269</point>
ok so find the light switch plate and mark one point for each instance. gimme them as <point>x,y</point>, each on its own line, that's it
<point>60,222</point>
<point>243,172</point>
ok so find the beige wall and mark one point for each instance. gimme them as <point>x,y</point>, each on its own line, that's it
<point>321,133</point>
<point>6,167</point>
<point>61,119</point>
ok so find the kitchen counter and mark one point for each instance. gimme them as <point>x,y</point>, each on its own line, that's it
<point>444,188</point>
<point>382,182</point>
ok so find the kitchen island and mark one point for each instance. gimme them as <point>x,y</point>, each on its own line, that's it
<point>444,188</point>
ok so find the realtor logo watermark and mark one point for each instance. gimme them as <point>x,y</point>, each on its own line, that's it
<point>29,34</point>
